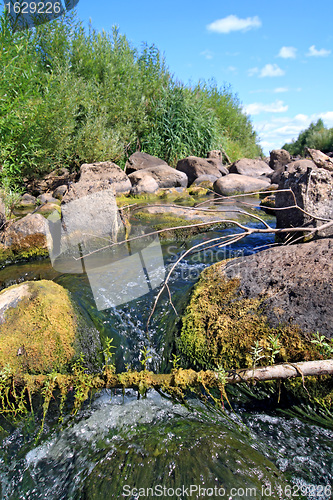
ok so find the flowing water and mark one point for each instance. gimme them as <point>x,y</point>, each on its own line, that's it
<point>122,447</point>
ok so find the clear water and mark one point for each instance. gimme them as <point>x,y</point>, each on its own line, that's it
<point>121,447</point>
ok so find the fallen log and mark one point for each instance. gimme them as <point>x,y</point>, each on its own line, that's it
<point>183,379</point>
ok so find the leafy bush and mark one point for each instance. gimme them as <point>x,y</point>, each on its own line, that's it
<point>70,95</point>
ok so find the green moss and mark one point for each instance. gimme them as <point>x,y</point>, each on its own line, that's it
<point>13,255</point>
<point>42,332</point>
<point>220,327</point>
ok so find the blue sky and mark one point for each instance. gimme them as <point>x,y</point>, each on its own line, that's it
<point>277,55</point>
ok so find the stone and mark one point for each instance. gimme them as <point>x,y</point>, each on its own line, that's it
<point>279,158</point>
<point>42,330</point>
<point>320,159</point>
<point>50,182</point>
<point>27,200</point>
<point>193,167</point>
<point>23,234</point>
<point>96,177</point>
<point>294,283</point>
<point>217,164</point>
<point>60,192</point>
<point>205,181</point>
<point>251,168</point>
<point>313,190</point>
<point>238,184</point>
<point>163,175</point>
<point>138,161</point>
<point>47,198</point>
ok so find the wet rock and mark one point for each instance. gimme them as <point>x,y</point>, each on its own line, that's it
<point>205,181</point>
<point>313,190</point>
<point>238,184</point>
<point>138,161</point>
<point>96,177</point>
<point>47,198</point>
<point>193,167</point>
<point>251,168</point>
<point>42,330</point>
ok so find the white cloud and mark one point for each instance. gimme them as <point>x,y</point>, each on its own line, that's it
<point>257,107</point>
<point>234,23</point>
<point>287,52</point>
<point>279,90</point>
<point>271,70</point>
<point>252,71</point>
<point>208,54</point>
<point>232,69</point>
<point>313,52</point>
<point>282,129</point>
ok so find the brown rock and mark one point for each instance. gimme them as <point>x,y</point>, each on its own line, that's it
<point>320,159</point>
<point>139,161</point>
<point>193,167</point>
<point>96,177</point>
<point>313,190</point>
<point>237,184</point>
<point>251,168</point>
<point>25,233</point>
<point>162,176</point>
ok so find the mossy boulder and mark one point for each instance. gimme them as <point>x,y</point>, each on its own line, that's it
<point>42,330</point>
<point>221,327</point>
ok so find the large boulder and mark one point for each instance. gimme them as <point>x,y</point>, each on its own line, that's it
<point>42,330</point>
<point>96,177</point>
<point>217,164</point>
<point>238,184</point>
<point>282,293</point>
<point>193,167</point>
<point>252,168</point>
<point>139,161</point>
<point>24,238</point>
<point>163,175</point>
<point>313,190</point>
<point>279,158</point>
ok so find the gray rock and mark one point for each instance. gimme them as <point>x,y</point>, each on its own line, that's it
<point>313,190</point>
<point>251,168</point>
<point>279,158</point>
<point>96,177</point>
<point>163,175</point>
<point>143,182</point>
<point>238,184</point>
<point>217,164</point>
<point>193,167</point>
<point>47,198</point>
<point>320,159</point>
<point>138,161</point>
<point>27,200</point>
<point>206,180</point>
<point>294,283</point>
<point>2,215</point>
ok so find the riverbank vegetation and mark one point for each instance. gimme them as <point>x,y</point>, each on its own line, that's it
<point>316,136</point>
<point>69,96</point>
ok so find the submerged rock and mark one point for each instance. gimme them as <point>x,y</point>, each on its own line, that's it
<point>42,330</point>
